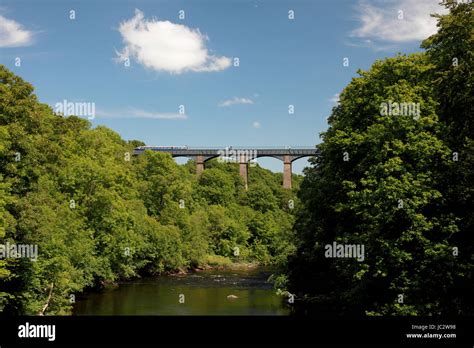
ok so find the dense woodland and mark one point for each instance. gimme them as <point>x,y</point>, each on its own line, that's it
<point>100,215</point>
<point>401,186</point>
<point>405,191</point>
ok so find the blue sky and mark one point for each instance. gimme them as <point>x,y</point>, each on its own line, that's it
<point>189,62</point>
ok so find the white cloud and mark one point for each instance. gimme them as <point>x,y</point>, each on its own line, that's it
<point>12,33</point>
<point>138,113</point>
<point>235,101</point>
<point>335,99</point>
<point>383,23</point>
<point>256,124</point>
<point>166,46</point>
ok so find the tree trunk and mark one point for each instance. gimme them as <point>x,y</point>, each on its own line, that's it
<point>48,300</point>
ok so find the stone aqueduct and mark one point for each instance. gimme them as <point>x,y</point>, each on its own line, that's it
<point>241,155</point>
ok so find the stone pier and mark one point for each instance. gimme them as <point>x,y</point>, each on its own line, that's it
<point>199,165</point>
<point>287,172</point>
<point>244,170</point>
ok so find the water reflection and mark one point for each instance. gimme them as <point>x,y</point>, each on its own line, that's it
<point>205,293</point>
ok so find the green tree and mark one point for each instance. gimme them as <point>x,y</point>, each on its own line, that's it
<point>216,187</point>
<point>376,185</point>
<point>99,215</point>
<point>451,51</point>
<point>261,198</point>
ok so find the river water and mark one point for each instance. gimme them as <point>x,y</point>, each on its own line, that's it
<point>205,293</point>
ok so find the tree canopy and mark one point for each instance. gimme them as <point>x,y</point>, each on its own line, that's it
<point>397,183</point>
<point>99,214</point>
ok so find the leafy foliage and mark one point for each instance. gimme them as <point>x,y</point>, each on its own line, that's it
<point>392,184</point>
<point>99,215</point>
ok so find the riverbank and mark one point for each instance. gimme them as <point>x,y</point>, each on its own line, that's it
<point>214,263</point>
<point>232,266</point>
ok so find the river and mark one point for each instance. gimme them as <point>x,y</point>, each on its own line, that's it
<point>205,293</point>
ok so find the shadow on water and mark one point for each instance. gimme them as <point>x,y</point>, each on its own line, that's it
<point>205,293</point>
